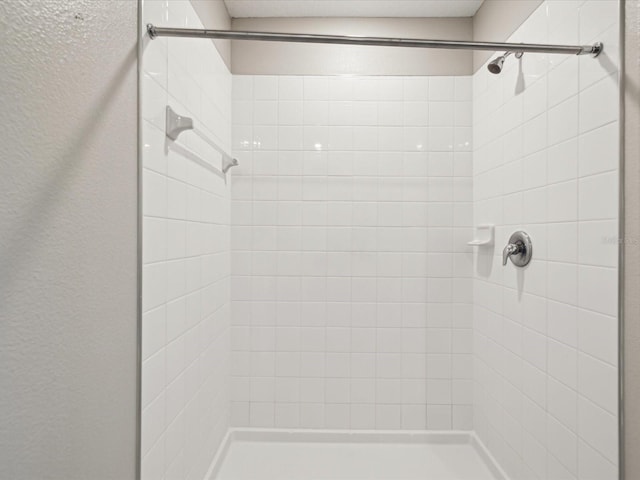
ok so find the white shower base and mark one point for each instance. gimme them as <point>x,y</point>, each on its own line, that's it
<point>252,454</point>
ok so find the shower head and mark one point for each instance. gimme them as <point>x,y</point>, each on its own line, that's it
<point>495,66</point>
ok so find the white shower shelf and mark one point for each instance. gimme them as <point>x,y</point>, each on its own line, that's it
<point>484,236</point>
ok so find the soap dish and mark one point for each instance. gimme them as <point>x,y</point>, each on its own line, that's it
<point>484,236</point>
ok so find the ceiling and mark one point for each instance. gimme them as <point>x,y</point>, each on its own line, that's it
<point>352,8</point>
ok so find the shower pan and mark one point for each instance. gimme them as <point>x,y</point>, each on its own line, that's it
<point>361,276</point>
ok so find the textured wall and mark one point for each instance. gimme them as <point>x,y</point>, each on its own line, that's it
<point>68,239</point>
<point>546,161</point>
<point>185,253</point>
<point>351,273</point>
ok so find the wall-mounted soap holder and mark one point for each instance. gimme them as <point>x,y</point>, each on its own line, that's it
<point>484,236</point>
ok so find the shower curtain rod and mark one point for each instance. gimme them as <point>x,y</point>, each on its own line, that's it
<point>154,32</point>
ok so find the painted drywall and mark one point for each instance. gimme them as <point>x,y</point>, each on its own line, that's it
<point>631,239</point>
<point>496,20</point>
<point>350,8</point>
<point>276,58</point>
<point>214,15</point>
<point>68,217</point>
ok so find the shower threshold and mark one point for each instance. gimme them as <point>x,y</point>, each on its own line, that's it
<point>273,454</point>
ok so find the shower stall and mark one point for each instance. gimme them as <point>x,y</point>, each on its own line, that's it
<point>381,276</point>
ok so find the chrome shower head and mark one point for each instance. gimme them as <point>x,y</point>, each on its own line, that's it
<point>495,66</point>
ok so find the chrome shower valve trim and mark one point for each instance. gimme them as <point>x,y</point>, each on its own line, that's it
<point>518,250</point>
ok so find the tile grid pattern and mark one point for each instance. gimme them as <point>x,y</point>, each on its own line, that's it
<point>186,256</point>
<point>546,161</point>
<point>351,279</point>
<point>352,300</point>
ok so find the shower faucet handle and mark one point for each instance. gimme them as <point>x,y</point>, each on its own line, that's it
<point>511,249</point>
<point>519,249</point>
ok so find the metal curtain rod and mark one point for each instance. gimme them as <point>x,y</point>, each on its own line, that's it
<point>154,31</point>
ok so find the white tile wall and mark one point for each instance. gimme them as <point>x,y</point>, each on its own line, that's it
<point>351,278</point>
<point>356,302</point>
<point>186,255</point>
<point>546,161</point>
